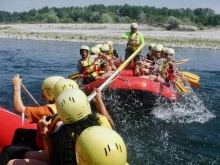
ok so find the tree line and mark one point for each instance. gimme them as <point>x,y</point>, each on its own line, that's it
<point>114,14</point>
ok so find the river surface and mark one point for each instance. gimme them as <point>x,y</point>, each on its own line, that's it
<point>186,132</point>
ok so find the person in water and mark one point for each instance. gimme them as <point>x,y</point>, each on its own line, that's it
<point>135,39</point>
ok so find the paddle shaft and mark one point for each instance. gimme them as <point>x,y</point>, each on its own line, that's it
<point>122,66</point>
<point>29,95</point>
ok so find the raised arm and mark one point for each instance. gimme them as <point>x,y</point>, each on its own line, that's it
<point>126,35</point>
<point>18,104</point>
<point>101,106</point>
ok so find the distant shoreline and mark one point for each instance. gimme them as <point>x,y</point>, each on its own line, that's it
<point>100,33</point>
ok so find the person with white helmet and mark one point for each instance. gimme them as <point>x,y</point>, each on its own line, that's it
<point>75,112</point>
<point>100,146</point>
<point>52,89</point>
<point>135,39</point>
<point>88,66</point>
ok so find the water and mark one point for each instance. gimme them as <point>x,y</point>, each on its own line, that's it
<point>185,133</point>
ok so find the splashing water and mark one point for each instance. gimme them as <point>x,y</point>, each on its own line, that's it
<point>188,109</point>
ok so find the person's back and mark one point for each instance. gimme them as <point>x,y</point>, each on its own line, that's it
<point>75,112</point>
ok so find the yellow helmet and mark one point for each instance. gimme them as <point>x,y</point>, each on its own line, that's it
<point>105,48</point>
<point>170,51</point>
<point>158,48</point>
<point>164,49</point>
<point>99,145</point>
<point>151,45</point>
<point>48,85</point>
<point>72,105</point>
<point>110,43</point>
<point>98,45</point>
<point>95,50</point>
<point>84,47</point>
<point>63,85</point>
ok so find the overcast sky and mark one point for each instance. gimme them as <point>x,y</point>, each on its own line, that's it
<point>26,5</point>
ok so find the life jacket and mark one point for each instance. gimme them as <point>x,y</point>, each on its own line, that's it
<point>51,128</point>
<point>170,74</point>
<point>134,42</point>
<point>88,69</point>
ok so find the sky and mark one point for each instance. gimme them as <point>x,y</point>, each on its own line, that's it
<point>26,5</point>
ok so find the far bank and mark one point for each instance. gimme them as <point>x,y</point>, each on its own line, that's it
<point>100,33</point>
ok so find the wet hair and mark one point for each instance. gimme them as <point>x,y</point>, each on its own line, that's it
<point>64,142</point>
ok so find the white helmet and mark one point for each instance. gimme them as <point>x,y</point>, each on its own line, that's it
<point>48,85</point>
<point>134,25</point>
<point>99,145</point>
<point>63,85</point>
<point>72,105</point>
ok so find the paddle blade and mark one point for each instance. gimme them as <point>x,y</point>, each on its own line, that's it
<point>182,61</point>
<point>74,76</point>
<point>181,88</point>
<point>191,76</point>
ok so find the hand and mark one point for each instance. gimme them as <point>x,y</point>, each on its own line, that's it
<point>98,96</point>
<point>80,75</point>
<point>16,82</point>
<point>43,124</point>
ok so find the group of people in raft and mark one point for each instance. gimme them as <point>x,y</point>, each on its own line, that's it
<point>80,135</point>
<point>102,60</point>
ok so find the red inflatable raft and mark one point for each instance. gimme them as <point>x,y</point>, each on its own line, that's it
<point>9,123</point>
<point>125,82</point>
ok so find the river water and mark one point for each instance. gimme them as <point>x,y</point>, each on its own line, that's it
<point>186,132</point>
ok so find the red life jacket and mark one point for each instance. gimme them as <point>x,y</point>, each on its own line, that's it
<point>170,74</point>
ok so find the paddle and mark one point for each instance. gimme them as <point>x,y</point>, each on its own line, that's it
<point>122,66</point>
<point>181,88</point>
<point>177,62</point>
<point>29,95</point>
<point>191,81</point>
<point>74,76</point>
<point>191,76</point>
<point>182,61</point>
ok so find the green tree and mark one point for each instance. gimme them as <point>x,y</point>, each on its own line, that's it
<point>52,19</point>
<point>106,18</point>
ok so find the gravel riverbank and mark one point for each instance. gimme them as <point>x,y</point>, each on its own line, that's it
<point>100,33</point>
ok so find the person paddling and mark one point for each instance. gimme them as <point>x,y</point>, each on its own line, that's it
<point>88,66</point>
<point>75,112</point>
<point>52,91</point>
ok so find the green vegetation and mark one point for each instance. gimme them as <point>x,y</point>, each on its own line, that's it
<point>116,14</point>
